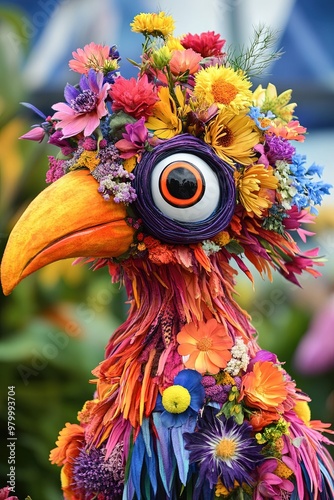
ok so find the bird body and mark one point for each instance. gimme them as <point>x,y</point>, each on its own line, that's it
<point>184,180</point>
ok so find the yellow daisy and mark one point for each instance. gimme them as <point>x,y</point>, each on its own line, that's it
<point>223,86</point>
<point>166,120</point>
<point>153,24</point>
<point>253,184</point>
<point>232,137</point>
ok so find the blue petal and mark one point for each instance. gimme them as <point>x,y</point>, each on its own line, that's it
<point>34,109</point>
<point>173,419</point>
<point>145,429</point>
<point>164,451</point>
<point>137,460</point>
<point>190,379</point>
<point>181,454</point>
<point>159,405</point>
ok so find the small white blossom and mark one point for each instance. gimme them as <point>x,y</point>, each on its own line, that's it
<point>210,247</point>
<point>240,358</point>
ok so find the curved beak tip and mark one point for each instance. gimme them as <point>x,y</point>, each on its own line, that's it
<point>68,219</point>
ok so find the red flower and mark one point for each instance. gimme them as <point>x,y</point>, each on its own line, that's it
<point>135,97</point>
<point>207,44</point>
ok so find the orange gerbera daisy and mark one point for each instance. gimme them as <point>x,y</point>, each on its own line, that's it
<point>264,387</point>
<point>70,441</point>
<point>206,344</point>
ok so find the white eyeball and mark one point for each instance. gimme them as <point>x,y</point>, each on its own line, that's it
<point>185,188</point>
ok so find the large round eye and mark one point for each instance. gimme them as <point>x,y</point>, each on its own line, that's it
<point>185,192</point>
<point>185,188</point>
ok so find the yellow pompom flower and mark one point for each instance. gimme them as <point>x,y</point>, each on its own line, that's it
<point>153,24</point>
<point>224,87</point>
<point>252,185</point>
<point>303,411</point>
<point>232,137</point>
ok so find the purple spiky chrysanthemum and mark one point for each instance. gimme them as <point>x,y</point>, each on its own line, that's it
<point>278,148</point>
<point>94,475</point>
<point>222,449</point>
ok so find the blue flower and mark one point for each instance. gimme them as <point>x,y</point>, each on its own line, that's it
<point>257,116</point>
<point>309,192</point>
<point>181,400</point>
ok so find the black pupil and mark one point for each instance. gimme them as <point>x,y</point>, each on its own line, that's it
<point>181,183</point>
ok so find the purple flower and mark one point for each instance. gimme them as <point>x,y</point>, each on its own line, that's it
<point>134,139</point>
<point>85,106</point>
<point>222,449</point>
<point>93,474</point>
<point>278,148</point>
<point>270,485</point>
<point>57,139</point>
<point>262,355</point>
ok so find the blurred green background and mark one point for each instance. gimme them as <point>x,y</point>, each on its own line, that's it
<point>55,325</point>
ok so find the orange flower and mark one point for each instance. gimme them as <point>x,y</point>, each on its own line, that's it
<point>206,344</point>
<point>264,387</point>
<point>291,131</point>
<point>184,60</point>
<point>260,419</point>
<point>69,443</point>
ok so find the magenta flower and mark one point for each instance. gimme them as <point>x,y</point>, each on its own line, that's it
<point>134,139</point>
<point>85,106</point>
<point>5,492</point>
<point>35,134</point>
<point>270,485</point>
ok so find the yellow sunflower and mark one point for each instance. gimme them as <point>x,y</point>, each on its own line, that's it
<point>225,87</point>
<point>153,24</point>
<point>166,121</point>
<point>232,137</point>
<point>252,185</point>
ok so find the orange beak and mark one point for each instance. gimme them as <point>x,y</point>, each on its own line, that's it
<point>68,219</point>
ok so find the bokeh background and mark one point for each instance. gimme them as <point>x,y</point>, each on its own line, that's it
<point>55,325</point>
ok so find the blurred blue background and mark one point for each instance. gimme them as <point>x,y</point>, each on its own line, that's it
<point>55,325</point>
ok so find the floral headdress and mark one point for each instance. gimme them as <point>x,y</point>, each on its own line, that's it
<point>186,402</point>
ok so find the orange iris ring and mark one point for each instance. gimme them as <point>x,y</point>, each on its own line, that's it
<point>179,202</point>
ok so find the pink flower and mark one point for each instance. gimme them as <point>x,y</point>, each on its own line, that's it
<point>91,56</point>
<point>135,97</point>
<point>295,219</point>
<point>207,44</point>
<point>134,140</point>
<point>184,60</point>
<point>85,106</point>
<point>315,352</point>
<point>35,134</point>
<point>270,485</point>
<point>4,494</point>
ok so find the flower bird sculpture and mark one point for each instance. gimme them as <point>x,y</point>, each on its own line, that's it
<point>173,180</point>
